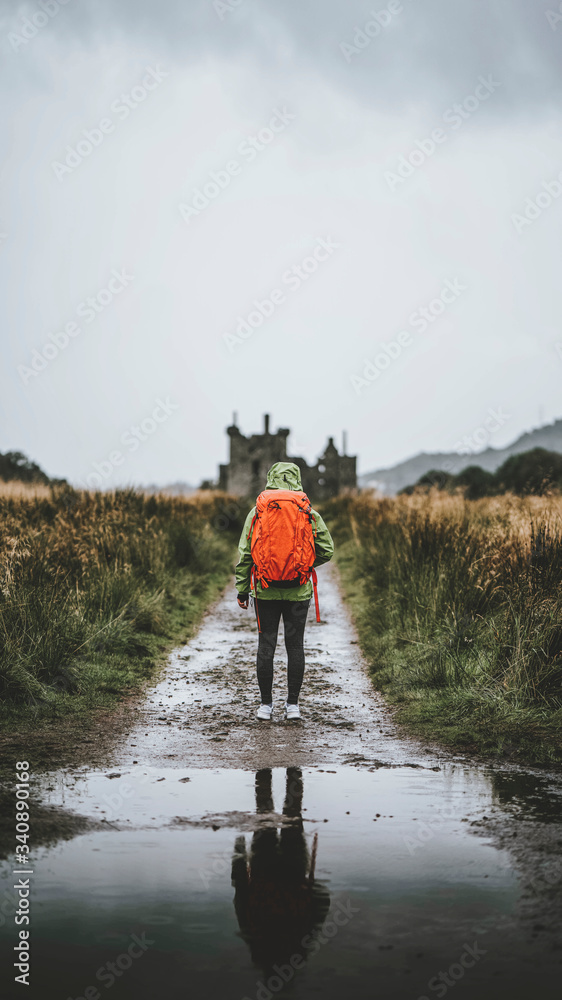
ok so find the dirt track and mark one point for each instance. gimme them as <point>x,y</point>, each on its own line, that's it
<point>203,710</point>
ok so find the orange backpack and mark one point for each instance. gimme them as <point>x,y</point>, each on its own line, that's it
<point>282,547</point>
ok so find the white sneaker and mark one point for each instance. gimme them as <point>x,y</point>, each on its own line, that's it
<point>292,712</point>
<point>264,712</point>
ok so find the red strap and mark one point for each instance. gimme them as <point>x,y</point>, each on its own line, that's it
<point>253,583</point>
<point>317,606</point>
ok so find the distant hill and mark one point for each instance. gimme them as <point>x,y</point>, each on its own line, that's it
<point>172,489</point>
<point>14,465</point>
<point>535,472</point>
<point>406,473</point>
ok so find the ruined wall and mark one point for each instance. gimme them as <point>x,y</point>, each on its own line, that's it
<point>251,457</point>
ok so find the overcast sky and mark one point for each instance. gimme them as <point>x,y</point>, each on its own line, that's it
<point>367,174</point>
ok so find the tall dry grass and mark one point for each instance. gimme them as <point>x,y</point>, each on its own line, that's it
<point>83,574</point>
<point>16,489</point>
<point>459,594</point>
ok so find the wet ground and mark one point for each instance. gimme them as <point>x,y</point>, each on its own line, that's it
<point>191,850</point>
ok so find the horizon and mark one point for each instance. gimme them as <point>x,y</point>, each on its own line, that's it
<point>470,455</point>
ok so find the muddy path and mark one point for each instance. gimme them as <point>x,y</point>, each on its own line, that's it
<point>413,860</point>
<point>203,712</point>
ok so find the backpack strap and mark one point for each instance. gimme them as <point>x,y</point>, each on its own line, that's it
<point>316,605</point>
<point>253,584</point>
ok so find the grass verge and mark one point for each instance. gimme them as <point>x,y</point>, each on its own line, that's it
<point>458,607</point>
<point>96,591</point>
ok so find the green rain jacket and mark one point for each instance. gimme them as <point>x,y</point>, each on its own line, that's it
<point>281,476</point>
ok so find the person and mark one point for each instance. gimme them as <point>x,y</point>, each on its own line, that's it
<point>290,602</point>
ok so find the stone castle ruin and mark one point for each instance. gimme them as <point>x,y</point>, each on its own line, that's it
<point>251,457</point>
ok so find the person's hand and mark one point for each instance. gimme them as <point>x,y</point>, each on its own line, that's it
<point>242,600</point>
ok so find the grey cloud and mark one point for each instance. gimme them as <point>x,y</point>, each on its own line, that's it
<point>428,57</point>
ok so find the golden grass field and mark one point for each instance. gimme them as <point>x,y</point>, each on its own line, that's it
<point>89,578</point>
<point>458,603</point>
<point>459,609</point>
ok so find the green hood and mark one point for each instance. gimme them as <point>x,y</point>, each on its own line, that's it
<point>284,476</point>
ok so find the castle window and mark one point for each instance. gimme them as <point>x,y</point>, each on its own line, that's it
<point>256,467</point>
<point>321,468</point>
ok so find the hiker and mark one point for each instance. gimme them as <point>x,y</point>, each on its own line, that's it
<point>282,541</point>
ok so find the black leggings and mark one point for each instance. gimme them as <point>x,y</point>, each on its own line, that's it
<point>294,620</point>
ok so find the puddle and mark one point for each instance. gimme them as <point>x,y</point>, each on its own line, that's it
<point>368,881</point>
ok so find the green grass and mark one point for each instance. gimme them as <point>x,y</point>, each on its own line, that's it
<point>100,675</point>
<point>97,589</point>
<point>458,606</point>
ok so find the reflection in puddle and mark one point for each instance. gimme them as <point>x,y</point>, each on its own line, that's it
<point>278,900</point>
<point>529,796</point>
<point>224,874</point>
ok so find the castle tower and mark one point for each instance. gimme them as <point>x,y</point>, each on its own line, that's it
<point>251,457</point>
